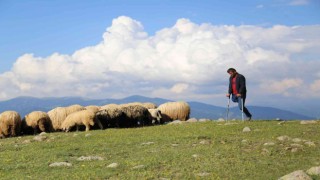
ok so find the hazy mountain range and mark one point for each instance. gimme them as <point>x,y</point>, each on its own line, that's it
<point>25,105</point>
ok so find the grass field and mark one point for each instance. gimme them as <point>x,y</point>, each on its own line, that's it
<point>203,150</point>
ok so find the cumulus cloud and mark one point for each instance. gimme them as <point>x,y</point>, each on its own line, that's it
<point>186,61</point>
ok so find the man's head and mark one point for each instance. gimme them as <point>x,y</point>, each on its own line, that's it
<point>232,72</point>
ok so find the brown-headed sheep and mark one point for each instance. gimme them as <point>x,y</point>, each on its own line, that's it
<point>174,110</point>
<point>79,118</point>
<point>36,121</point>
<point>10,123</point>
<point>59,114</point>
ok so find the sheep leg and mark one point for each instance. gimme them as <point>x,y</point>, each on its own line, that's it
<point>87,127</point>
<point>13,130</point>
<point>77,128</point>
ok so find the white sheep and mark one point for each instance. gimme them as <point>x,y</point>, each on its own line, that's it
<point>93,108</point>
<point>10,122</point>
<point>59,114</point>
<point>79,118</point>
<point>175,110</point>
<point>36,120</point>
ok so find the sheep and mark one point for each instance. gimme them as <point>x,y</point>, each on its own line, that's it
<point>156,115</point>
<point>135,115</point>
<point>10,124</point>
<point>174,110</point>
<point>36,120</point>
<point>74,108</point>
<point>84,117</point>
<point>59,114</point>
<point>93,108</point>
<point>110,116</point>
<point>109,106</point>
<point>147,105</point>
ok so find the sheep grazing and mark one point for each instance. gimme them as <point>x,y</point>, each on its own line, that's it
<point>36,121</point>
<point>110,116</point>
<point>79,118</point>
<point>59,114</point>
<point>174,110</point>
<point>10,123</point>
<point>156,116</point>
<point>135,115</point>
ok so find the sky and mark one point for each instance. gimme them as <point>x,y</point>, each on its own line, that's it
<point>178,50</point>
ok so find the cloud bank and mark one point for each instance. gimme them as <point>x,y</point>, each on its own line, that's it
<point>187,61</point>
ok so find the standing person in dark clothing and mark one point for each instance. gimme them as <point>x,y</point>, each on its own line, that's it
<point>237,90</point>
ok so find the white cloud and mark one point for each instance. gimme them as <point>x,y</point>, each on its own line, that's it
<point>180,87</point>
<point>187,60</point>
<point>285,86</point>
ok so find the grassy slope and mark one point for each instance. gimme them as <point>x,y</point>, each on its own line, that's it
<point>223,151</point>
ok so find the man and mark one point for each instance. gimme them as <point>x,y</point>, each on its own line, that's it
<point>238,90</point>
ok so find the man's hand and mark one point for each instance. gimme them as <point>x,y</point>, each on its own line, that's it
<point>228,95</point>
<point>238,95</point>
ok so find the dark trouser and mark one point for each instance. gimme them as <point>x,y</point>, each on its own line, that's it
<point>239,101</point>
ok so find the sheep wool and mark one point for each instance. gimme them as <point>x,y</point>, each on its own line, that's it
<point>37,120</point>
<point>10,122</point>
<point>79,118</point>
<point>136,115</point>
<point>147,105</point>
<point>109,106</point>
<point>59,114</point>
<point>93,108</point>
<point>110,116</point>
<point>175,111</point>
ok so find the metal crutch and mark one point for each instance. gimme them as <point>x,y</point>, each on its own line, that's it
<point>227,116</point>
<point>242,109</point>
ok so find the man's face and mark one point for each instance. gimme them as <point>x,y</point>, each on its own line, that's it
<point>232,73</point>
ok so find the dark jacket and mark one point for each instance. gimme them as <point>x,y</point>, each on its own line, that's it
<point>240,84</point>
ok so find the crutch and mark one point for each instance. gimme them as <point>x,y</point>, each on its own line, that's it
<point>227,116</point>
<point>242,109</point>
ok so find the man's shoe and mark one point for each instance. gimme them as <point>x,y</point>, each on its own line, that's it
<point>249,118</point>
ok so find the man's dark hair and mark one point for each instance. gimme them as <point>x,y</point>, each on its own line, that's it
<point>231,69</point>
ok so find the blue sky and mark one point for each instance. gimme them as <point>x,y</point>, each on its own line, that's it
<point>170,49</point>
<point>44,27</point>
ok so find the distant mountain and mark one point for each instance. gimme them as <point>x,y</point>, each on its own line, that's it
<point>25,105</point>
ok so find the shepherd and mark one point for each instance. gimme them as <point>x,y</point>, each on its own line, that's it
<point>238,91</point>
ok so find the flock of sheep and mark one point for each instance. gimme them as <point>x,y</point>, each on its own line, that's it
<point>92,117</point>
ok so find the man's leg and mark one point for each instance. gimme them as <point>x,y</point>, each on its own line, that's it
<point>245,110</point>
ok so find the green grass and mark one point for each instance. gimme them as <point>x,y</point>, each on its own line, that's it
<point>208,150</point>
